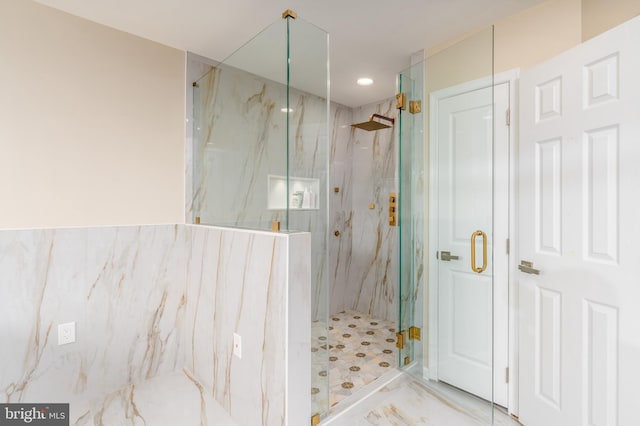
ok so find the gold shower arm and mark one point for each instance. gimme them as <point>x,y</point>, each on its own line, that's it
<point>382,117</point>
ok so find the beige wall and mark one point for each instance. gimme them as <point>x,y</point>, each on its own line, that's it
<point>537,34</point>
<point>530,37</point>
<point>520,41</point>
<point>600,15</point>
<point>91,123</point>
<point>464,61</point>
<point>542,32</point>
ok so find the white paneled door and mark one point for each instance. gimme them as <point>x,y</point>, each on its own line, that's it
<point>465,171</point>
<point>579,226</point>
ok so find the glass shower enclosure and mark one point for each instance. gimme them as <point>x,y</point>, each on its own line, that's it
<point>261,161</point>
<point>261,151</point>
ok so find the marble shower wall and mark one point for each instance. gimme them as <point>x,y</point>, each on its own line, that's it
<point>369,283</point>
<point>242,140</point>
<point>239,141</point>
<point>148,300</point>
<point>340,206</point>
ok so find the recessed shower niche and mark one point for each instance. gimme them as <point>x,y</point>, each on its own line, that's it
<point>301,193</point>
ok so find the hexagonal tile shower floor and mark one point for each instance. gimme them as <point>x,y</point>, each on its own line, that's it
<point>361,349</point>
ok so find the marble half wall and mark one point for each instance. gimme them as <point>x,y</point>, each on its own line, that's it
<point>150,300</point>
<point>247,283</point>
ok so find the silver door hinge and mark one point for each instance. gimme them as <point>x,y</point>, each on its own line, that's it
<point>509,117</point>
<point>508,246</point>
<point>506,378</point>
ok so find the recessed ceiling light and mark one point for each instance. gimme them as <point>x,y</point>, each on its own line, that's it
<point>364,81</point>
<point>285,110</point>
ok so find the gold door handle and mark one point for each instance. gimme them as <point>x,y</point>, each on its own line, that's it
<point>484,251</point>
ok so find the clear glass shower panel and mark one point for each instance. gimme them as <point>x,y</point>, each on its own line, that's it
<point>451,299</point>
<point>308,170</point>
<point>240,150</point>
<point>261,154</point>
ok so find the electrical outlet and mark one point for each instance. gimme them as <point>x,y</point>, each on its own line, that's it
<point>66,333</point>
<point>237,345</point>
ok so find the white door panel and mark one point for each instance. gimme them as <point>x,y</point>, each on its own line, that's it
<point>578,224</point>
<point>465,204</point>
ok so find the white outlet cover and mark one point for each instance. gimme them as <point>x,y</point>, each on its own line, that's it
<point>66,333</point>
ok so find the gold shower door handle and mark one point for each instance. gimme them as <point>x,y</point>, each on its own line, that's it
<point>484,251</point>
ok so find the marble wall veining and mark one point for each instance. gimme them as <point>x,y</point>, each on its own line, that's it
<point>148,301</point>
<point>340,205</point>
<point>124,288</point>
<point>369,283</point>
<point>255,302</point>
<point>240,140</point>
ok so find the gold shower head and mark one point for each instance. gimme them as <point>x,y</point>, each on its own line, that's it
<point>374,125</point>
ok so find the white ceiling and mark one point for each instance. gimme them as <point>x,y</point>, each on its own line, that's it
<point>370,38</point>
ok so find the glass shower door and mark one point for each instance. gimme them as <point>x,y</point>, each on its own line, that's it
<point>452,303</point>
<point>410,206</point>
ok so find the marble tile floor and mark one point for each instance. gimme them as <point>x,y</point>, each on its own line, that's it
<point>169,399</point>
<point>407,402</point>
<point>361,349</point>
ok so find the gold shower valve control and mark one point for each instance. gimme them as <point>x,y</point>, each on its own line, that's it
<point>392,209</point>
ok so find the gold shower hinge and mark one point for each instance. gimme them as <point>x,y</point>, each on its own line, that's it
<point>289,14</point>
<point>401,103</point>
<point>315,419</point>
<point>399,340</point>
<point>415,107</point>
<point>407,360</point>
<point>414,333</point>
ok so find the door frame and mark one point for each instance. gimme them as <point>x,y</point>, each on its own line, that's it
<point>431,369</point>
